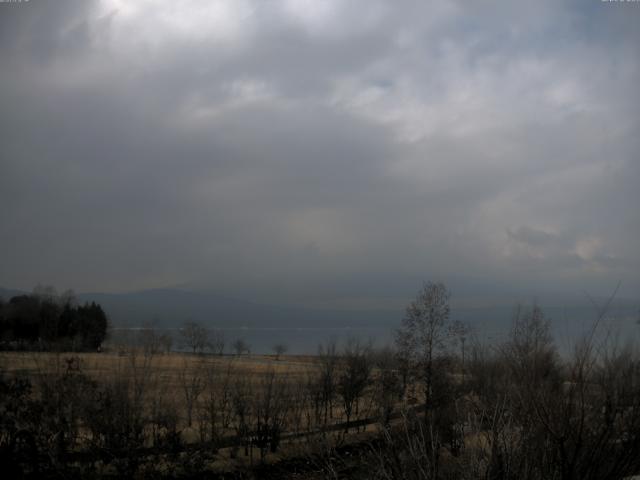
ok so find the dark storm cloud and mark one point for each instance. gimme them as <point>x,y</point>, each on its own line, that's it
<point>310,151</point>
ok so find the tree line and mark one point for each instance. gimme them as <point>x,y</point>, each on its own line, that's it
<point>45,320</point>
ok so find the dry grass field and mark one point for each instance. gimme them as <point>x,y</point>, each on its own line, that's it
<point>172,379</point>
<point>273,391</point>
<point>164,377</point>
<point>169,366</point>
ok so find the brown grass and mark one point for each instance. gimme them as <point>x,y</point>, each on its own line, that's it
<point>99,365</point>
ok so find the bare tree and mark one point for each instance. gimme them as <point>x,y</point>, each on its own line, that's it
<point>578,420</point>
<point>193,384</point>
<point>424,333</point>
<point>301,407</point>
<point>240,347</point>
<point>148,339</point>
<point>194,336</point>
<point>280,349</point>
<point>166,341</point>
<point>241,404</point>
<point>354,377</point>
<point>387,384</point>
<point>216,409</point>
<point>328,362</point>
<point>217,342</point>
<point>117,412</point>
<point>530,350</point>
<point>270,410</point>
<point>541,417</point>
<point>460,333</point>
<point>422,340</point>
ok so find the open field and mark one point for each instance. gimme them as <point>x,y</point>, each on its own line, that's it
<point>166,376</point>
<point>101,365</point>
<point>244,410</point>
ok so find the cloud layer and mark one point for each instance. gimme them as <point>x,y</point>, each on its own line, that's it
<point>319,151</point>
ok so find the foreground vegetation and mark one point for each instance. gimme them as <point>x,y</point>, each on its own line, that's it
<point>438,406</point>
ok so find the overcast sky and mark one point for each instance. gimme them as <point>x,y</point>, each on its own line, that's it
<point>320,152</point>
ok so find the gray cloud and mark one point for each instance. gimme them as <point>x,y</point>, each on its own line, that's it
<point>531,236</point>
<point>319,151</point>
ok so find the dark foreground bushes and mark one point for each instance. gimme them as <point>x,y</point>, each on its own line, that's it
<point>521,412</point>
